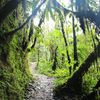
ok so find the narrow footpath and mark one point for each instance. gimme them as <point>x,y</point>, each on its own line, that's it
<point>41,88</point>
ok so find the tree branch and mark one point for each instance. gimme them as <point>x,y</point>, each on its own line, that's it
<point>90,15</point>
<point>8,8</point>
<point>28,19</point>
<point>73,84</point>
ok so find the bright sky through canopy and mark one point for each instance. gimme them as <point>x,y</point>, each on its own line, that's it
<point>66,3</point>
<point>50,23</point>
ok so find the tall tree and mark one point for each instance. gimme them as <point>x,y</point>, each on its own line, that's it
<point>74,40</point>
<point>66,45</point>
<point>74,84</point>
<point>34,12</point>
<point>54,66</point>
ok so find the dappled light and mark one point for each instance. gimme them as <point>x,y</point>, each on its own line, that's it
<point>49,50</point>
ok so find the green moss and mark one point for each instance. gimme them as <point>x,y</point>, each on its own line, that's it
<point>15,76</point>
<point>14,69</point>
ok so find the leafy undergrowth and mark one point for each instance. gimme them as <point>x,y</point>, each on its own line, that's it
<point>90,79</point>
<point>14,71</point>
<point>60,75</point>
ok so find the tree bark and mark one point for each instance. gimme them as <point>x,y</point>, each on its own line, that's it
<point>54,66</point>
<point>74,41</point>
<point>7,9</point>
<point>74,45</point>
<point>10,34</point>
<point>73,84</point>
<point>66,45</point>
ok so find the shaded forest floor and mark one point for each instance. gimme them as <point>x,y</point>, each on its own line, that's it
<point>41,88</point>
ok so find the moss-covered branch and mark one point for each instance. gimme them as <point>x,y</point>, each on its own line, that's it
<point>7,9</point>
<point>11,33</point>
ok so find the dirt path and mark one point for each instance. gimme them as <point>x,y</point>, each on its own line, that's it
<point>41,88</point>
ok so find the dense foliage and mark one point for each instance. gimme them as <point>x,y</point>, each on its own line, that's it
<point>63,40</point>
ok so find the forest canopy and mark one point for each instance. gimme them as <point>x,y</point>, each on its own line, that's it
<point>61,36</point>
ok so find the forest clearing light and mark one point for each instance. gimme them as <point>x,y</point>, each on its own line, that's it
<point>49,23</point>
<point>66,3</point>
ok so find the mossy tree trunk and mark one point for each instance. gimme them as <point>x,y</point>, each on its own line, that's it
<point>14,71</point>
<point>74,84</point>
<point>54,66</point>
<point>7,9</point>
<point>74,41</point>
<point>77,76</point>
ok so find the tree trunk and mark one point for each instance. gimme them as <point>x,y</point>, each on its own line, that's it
<point>66,44</point>
<point>74,41</point>
<point>74,45</point>
<point>73,84</point>
<point>54,66</point>
<point>7,9</point>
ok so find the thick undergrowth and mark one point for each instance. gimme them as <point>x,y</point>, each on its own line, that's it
<point>14,70</point>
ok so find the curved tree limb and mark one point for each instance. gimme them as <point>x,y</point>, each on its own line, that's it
<point>73,84</point>
<point>39,25</point>
<point>7,9</point>
<point>66,45</point>
<point>28,19</point>
<point>89,14</point>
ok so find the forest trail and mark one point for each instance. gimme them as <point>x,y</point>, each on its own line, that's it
<point>41,88</point>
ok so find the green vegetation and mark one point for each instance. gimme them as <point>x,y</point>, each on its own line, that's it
<point>14,69</point>
<point>14,73</point>
<point>63,41</point>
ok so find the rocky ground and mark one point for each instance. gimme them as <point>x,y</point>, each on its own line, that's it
<point>41,88</point>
